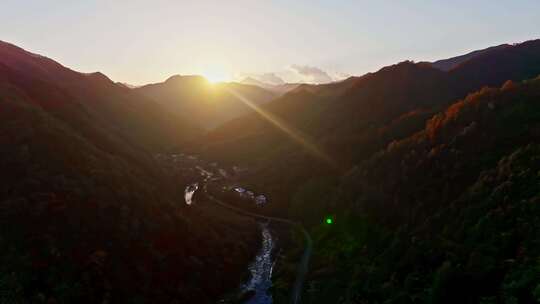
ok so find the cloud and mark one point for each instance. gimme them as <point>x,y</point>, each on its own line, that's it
<point>294,74</point>
<point>311,74</point>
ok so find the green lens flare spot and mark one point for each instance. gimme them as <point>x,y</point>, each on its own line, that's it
<point>329,221</point>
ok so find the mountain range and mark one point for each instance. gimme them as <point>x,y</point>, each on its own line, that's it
<point>352,119</point>
<point>430,171</point>
<point>423,166</point>
<point>279,89</point>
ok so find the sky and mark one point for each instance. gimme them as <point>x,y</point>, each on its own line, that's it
<point>140,42</point>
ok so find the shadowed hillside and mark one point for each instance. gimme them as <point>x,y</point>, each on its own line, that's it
<point>91,102</point>
<point>88,215</point>
<point>446,215</point>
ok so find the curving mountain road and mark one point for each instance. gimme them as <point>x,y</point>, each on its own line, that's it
<point>304,262</point>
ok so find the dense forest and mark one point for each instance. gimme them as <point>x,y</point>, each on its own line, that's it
<point>430,173</point>
<point>449,214</point>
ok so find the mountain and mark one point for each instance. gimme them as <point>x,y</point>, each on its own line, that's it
<point>89,215</point>
<point>279,89</point>
<point>91,102</point>
<point>338,125</point>
<point>450,63</point>
<point>206,105</point>
<point>448,214</point>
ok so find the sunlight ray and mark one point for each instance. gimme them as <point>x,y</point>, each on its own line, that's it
<point>281,125</point>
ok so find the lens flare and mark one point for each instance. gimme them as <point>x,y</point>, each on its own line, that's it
<point>294,134</point>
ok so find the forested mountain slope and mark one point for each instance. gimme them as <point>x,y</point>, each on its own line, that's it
<point>88,215</point>
<point>446,215</point>
<point>91,103</point>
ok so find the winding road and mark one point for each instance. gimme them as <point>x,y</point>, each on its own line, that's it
<point>304,262</point>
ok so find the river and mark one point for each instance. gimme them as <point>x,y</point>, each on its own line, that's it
<point>261,270</point>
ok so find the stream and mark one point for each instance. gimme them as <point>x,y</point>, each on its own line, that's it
<point>261,270</point>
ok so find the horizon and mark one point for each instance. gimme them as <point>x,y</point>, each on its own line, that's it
<point>216,78</point>
<point>137,43</point>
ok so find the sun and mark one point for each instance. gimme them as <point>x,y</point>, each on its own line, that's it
<point>216,76</point>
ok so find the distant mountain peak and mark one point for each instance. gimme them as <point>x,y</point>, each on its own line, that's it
<point>276,88</point>
<point>98,76</point>
<point>127,85</point>
<point>251,80</point>
<point>177,77</point>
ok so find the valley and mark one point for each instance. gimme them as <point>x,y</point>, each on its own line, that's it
<point>256,289</point>
<point>418,182</point>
